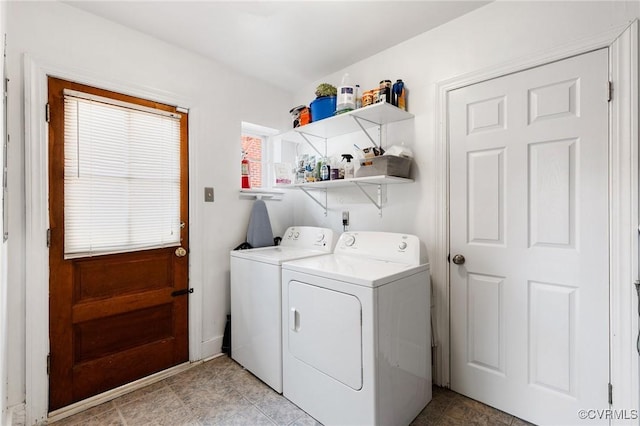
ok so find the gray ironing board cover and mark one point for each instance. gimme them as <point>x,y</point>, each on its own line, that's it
<point>259,233</point>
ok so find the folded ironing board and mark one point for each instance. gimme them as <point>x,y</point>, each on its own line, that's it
<point>259,233</point>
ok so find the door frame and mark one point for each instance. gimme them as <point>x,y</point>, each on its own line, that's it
<point>622,43</point>
<point>37,220</point>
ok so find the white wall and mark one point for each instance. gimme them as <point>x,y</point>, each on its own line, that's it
<point>3,259</point>
<point>495,34</point>
<point>56,34</point>
<point>491,35</point>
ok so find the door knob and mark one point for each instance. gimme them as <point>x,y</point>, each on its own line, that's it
<point>458,259</point>
<point>181,252</point>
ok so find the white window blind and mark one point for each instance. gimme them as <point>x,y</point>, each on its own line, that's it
<point>121,177</point>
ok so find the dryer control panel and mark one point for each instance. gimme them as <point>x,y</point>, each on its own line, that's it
<point>393,247</point>
<point>309,237</point>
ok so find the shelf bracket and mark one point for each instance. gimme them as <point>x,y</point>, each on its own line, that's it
<point>311,145</point>
<point>357,120</point>
<point>378,202</point>
<point>318,202</point>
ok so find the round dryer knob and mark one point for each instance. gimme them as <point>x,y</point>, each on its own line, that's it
<point>349,240</point>
<point>320,237</point>
<point>402,245</point>
<point>296,235</point>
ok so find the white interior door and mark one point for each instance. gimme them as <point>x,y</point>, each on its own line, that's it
<point>529,213</point>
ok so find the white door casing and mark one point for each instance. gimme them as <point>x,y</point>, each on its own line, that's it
<point>37,213</point>
<point>529,211</point>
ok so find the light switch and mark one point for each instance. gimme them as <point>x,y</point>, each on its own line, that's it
<point>208,195</point>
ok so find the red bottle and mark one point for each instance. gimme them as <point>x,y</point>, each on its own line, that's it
<point>244,167</point>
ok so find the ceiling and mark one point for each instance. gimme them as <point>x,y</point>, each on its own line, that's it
<point>286,43</point>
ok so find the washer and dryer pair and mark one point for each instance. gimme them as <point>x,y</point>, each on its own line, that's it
<point>355,330</point>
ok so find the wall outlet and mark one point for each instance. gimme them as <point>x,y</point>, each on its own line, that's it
<point>208,194</point>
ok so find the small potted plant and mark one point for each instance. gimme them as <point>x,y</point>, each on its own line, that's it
<point>326,89</point>
<point>325,103</point>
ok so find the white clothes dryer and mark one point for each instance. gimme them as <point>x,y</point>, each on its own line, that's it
<point>256,310</point>
<point>356,331</point>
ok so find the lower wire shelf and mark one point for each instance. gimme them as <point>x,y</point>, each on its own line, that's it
<point>360,182</point>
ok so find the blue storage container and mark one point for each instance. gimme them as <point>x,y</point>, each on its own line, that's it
<point>323,107</point>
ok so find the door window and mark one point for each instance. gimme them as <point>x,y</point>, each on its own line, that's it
<point>121,176</point>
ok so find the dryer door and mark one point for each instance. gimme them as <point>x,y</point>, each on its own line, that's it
<point>325,331</point>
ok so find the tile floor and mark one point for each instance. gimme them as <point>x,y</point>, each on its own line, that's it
<point>221,392</point>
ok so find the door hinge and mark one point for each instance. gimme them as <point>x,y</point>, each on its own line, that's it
<point>610,394</point>
<point>49,238</point>
<point>47,113</point>
<point>48,364</point>
<point>610,96</point>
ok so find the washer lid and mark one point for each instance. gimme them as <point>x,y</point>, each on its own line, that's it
<point>354,269</point>
<point>275,254</point>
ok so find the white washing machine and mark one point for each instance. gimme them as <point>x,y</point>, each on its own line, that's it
<point>356,331</point>
<point>256,310</point>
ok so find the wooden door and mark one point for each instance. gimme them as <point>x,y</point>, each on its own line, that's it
<point>114,318</point>
<point>529,213</point>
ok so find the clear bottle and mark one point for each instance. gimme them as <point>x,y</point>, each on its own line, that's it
<point>334,173</point>
<point>358,97</point>
<point>346,96</point>
<point>325,169</point>
<point>348,168</point>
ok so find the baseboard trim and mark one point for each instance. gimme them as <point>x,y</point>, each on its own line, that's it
<point>16,415</point>
<point>212,347</point>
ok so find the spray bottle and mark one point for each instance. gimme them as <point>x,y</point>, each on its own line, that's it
<point>348,168</point>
